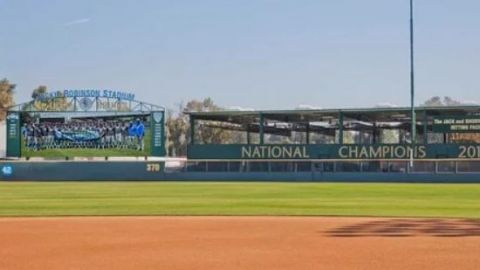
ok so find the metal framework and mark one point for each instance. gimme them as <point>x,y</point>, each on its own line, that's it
<point>332,122</point>
<point>85,104</point>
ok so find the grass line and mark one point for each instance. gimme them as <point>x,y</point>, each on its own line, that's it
<point>243,199</point>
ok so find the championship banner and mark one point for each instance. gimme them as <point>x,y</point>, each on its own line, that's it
<point>333,151</point>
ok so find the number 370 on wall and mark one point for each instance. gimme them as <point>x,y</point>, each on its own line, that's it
<point>153,167</point>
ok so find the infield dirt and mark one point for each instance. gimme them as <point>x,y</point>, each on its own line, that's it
<point>238,243</point>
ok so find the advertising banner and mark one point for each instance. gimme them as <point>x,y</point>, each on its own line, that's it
<point>464,124</point>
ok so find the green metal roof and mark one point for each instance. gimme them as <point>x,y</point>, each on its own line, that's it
<point>362,114</point>
<point>347,110</point>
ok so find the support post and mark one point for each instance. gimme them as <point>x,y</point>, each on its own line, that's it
<point>192,130</point>
<point>261,128</point>
<point>307,130</point>
<point>425,127</point>
<point>340,128</point>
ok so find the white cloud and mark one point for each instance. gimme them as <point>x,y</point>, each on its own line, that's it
<point>470,102</point>
<point>238,108</point>
<point>78,21</point>
<point>386,105</point>
<point>308,107</point>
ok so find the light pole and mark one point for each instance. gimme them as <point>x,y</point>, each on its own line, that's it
<point>412,87</point>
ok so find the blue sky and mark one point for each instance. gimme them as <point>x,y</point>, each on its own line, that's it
<point>263,54</point>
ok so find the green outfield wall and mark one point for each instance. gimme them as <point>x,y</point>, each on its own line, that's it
<point>155,171</point>
<point>81,170</point>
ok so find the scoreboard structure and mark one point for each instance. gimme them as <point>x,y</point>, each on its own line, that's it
<point>85,123</point>
<point>84,135</point>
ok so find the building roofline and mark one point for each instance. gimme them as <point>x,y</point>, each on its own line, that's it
<point>329,111</point>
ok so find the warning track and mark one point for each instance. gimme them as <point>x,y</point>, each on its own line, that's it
<point>238,243</point>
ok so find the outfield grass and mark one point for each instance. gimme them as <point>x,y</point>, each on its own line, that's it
<point>174,198</point>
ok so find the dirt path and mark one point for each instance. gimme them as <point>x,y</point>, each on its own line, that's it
<point>227,243</point>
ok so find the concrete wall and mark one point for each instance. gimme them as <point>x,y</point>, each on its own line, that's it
<point>3,139</point>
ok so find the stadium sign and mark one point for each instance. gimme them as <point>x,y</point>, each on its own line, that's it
<point>83,100</point>
<point>88,93</point>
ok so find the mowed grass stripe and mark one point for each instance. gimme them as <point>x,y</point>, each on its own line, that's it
<point>209,198</point>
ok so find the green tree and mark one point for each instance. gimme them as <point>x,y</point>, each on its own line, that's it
<point>439,102</point>
<point>6,97</point>
<point>176,132</point>
<point>178,127</point>
<point>57,104</point>
<point>208,134</point>
<point>40,90</point>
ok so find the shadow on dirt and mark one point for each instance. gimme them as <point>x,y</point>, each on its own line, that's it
<point>410,228</point>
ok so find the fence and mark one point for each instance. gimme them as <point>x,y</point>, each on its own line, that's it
<point>447,166</point>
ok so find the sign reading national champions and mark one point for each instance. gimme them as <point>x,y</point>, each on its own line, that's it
<point>333,151</point>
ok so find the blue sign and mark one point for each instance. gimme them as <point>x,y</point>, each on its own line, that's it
<point>7,170</point>
<point>89,93</point>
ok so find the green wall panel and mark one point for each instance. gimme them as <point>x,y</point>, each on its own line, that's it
<point>13,134</point>
<point>333,151</point>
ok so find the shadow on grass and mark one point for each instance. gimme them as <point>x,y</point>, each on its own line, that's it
<point>410,228</point>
